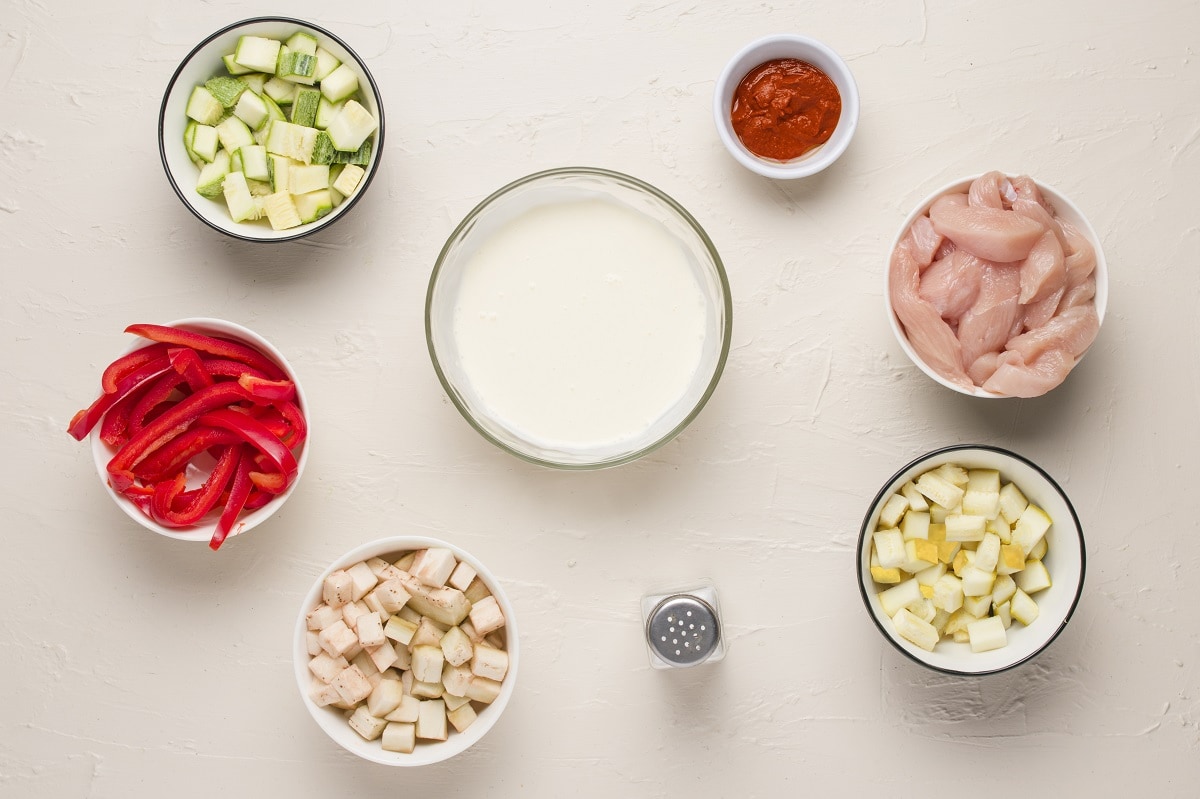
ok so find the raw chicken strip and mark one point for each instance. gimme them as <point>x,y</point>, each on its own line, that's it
<point>1072,331</point>
<point>990,233</point>
<point>946,248</point>
<point>1014,378</point>
<point>1078,295</point>
<point>983,368</point>
<point>1043,271</point>
<point>1040,312</point>
<point>1025,188</point>
<point>1080,258</point>
<point>988,325</point>
<point>952,284</point>
<point>926,241</point>
<point>1038,213</point>
<point>985,191</point>
<point>931,337</point>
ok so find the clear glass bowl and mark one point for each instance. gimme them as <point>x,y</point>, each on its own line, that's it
<point>550,188</point>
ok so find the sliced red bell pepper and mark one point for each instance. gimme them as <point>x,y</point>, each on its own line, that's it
<point>126,365</point>
<point>114,430</point>
<point>159,392</point>
<point>83,421</point>
<point>174,421</point>
<point>162,506</point>
<point>189,364</point>
<point>239,492</point>
<point>257,499</point>
<point>269,390</point>
<point>223,367</point>
<point>295,418</point>
<point>269,482</point>
<point>256,434</point>
<point>175,455</point>
<point>222,348</point>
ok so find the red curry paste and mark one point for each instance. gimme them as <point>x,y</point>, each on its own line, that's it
<point>784,108</point>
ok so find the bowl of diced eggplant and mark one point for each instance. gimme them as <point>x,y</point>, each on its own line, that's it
<point>971,560</point>
<point>406,651</point>
<point>271,129</point>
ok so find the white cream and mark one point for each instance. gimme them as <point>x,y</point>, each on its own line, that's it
<point>580,324</point>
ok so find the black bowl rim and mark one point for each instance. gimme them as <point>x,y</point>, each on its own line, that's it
<point>862,534</point>
<point>350,201</point>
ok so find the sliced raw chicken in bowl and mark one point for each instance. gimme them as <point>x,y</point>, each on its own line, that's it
<point>996,286</point>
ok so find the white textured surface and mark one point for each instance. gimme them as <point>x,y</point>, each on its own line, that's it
<point>134,665</point>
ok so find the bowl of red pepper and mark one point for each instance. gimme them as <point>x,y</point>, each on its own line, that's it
<point>786,106</point>
<point>200,431</point>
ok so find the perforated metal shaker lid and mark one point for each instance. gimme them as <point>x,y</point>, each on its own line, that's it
<point>683,630</point>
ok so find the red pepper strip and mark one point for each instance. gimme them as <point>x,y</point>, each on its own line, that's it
<point>222,348</point>
<point>174,421</point>
<point>83,422</point>
<point>159,392</point>
<point>257,499</point>
<point>270,416</point>
<point>114,430</point>
<point>239,492</point>
<point>174,456</point>
<point>189,364</point>
<point>295,417</point>
<point>161,505</point>
<point>223,367</point>
<point>269,390</point>
<point>256,434</point>
<point>269,482</point>
<point>126,365</point>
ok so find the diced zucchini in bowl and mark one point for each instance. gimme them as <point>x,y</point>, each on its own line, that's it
<point>212,177</point>
<point>351,127</point>
<point>251,109</point>
<point>263,111</point>
<point>203,107</point>
<point>257,53</point>
<point>205,142</point>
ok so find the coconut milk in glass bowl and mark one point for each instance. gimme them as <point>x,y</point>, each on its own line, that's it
<point>579,318</point>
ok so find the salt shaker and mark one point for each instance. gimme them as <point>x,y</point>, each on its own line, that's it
<point>683,628</point>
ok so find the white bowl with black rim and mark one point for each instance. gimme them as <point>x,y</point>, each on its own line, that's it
<point>204,62</point>
<point>1065,560</point>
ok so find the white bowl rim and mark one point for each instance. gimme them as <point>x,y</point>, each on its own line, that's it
<point>457,743</point>
<point>302,230</point>
<point>806,165</point>
<point>864,533</point>
<point>203,532</point>
<point>1059,200</point>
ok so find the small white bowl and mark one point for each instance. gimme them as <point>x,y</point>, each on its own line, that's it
<point>334,722</point>
<point>102,453</point>
<point>204,62</point>
<point>1062,206</point>
<point>1065,560</point>
<point>785,45</point>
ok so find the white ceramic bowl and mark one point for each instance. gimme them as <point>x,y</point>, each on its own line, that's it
<point>1065,560</point>
<point>785,45</point>
<point>550,188</point>
<point>334,722</point>
<point>204,62</point>
<point>102,453</point>
<point>1062,206</point>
